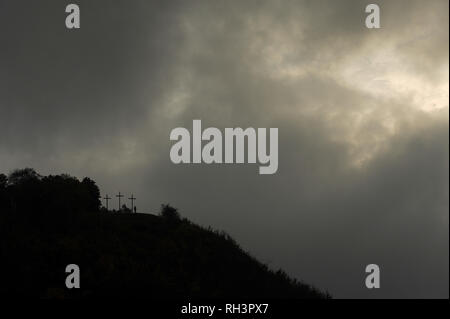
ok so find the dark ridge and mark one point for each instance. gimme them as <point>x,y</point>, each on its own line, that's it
<point>49,222</point>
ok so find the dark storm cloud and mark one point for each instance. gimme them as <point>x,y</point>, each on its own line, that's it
<point>81,87</point>
<point>363,171</point>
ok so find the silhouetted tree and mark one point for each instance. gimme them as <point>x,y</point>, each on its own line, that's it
<point>4,202</point>
<point>3,181</point>
<point>170,213</point>
<point>92,194</point>
<point>24,191</point>
<point>24,175</point>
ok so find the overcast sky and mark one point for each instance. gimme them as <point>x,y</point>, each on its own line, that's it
<point>363,119</point>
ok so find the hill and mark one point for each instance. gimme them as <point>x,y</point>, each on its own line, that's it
<point>127,255</point>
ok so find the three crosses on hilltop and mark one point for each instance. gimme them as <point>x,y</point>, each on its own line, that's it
<point>119,196</point>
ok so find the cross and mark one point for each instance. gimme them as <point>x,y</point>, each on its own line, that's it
<point>132,198</point>
<point>119,196</point>
<point>107,198</point>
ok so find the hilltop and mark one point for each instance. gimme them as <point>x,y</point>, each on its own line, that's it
<point>122,254</point>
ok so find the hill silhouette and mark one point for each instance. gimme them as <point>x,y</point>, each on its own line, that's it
<point>48,222</point>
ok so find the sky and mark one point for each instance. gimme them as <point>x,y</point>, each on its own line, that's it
<point>362,114</point>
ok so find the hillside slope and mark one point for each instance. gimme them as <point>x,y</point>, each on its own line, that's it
<point>136,255</point>
<point>49,222</point>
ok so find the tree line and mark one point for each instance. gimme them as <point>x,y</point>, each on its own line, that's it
<point>26,194</point>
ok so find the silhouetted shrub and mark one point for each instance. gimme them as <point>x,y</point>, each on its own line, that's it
<point>125,209</point>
